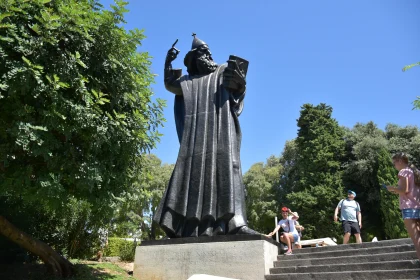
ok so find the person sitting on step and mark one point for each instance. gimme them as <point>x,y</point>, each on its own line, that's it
<point>289,234</point>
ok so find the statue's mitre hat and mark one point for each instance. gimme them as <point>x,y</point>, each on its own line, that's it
<point>197,42</point>
<point>188,60</point>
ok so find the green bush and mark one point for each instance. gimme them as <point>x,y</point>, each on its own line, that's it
<point>76,117</point>
<point>120,247</point>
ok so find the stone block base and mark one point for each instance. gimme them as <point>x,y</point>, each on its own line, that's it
<point>244,257</point>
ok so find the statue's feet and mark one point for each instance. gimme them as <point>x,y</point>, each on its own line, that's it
<point>247,230</point>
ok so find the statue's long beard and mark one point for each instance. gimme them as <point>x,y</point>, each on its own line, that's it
<point>205,65</point>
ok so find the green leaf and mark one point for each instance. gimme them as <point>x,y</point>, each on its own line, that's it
<point>27,61</point>
<point>5,15</point>
<point>410,66</point>
<point>7,25</point>
<point>416,103</point>
<point>36,28</point>
<point>6,39</point>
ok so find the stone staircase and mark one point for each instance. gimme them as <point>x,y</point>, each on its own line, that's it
<point>390,259</point>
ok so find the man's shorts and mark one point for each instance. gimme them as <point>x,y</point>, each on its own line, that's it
<point>410,214</point>
<point>352,227</point>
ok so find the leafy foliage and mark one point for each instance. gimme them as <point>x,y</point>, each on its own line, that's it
<point>289,175</point>
<point>392,222</point>
<point>318,187</point>
<point>125,249</point>
<point>136,209</point>
<point>76,109</point>
<point>405,68</point>
<point>315,168</point>
<point>365,142</point>
<point>261,181</point>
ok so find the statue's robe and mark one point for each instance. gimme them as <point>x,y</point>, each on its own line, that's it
<point>205,195</point>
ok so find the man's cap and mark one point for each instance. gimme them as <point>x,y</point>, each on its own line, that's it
<point>352,192</point>
<point>285,209</point>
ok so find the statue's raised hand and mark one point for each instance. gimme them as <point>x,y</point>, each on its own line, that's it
<point>172,54</point>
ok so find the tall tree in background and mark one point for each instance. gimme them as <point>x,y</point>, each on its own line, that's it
<point>392,224</point>
<point>136,209</point>
<point>365,143</point>
<point>320,148</point>
<point>289,176</point>
<point>400,139</point>
<point>404,139</point>
<point>76,112</point>
<point>261,181</point>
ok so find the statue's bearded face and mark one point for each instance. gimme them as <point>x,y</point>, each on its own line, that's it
<point>205,63</point>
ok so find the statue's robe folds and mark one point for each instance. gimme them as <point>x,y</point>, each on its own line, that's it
<point>205,195</point>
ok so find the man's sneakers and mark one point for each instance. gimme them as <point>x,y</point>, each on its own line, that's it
<point>288,253</point>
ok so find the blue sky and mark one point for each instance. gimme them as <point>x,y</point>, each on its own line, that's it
<point>347,54</point>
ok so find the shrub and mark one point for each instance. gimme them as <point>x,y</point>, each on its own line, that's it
<point>125,249</point>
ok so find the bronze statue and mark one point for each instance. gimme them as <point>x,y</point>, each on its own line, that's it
<point>205,195</point>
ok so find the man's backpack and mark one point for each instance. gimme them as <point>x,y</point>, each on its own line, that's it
<point>341,206</point>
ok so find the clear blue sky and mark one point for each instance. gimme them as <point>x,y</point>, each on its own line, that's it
<point>347,54</point>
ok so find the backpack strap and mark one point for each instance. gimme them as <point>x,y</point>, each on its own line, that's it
<point>341,205</point>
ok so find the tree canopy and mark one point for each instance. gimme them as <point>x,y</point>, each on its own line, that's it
<point>323,161</point>
<point>76,107</point>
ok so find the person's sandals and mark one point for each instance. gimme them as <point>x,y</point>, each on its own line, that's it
<point>288,253</point>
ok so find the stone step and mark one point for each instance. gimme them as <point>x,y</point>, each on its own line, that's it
<point>349,252</point>
<point>384,243</point>
<point>391,265</point>
<point>284,262</point>
<point>346,275</point>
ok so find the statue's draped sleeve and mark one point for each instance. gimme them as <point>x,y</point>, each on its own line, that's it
<point>172,79</point>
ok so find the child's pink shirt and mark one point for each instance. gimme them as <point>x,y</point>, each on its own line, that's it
<point>410,200</point>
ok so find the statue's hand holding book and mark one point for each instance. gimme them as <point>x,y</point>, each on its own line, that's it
<point>235,73</point>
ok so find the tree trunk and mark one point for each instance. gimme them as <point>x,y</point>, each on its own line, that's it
<point>56,264</point>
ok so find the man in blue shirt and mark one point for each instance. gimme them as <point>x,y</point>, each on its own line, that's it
<point>351,217</point>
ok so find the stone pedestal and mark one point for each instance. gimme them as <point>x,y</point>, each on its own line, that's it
<point>245,257</point>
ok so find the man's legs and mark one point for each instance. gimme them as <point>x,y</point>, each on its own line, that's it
<point>355,229</point>
<point>347,231</point>
<point>358,238</point>
<point>346,237</point>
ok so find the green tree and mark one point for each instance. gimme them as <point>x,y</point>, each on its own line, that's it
<point>289,174</point>
<point>136,210</point>
<point>368,165</point>
<point>261,181</point>
<point>76,112</point>
<point>404,139</point>
<point>318,188</point>
<point>365,143</point>
<point>392,222</point>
